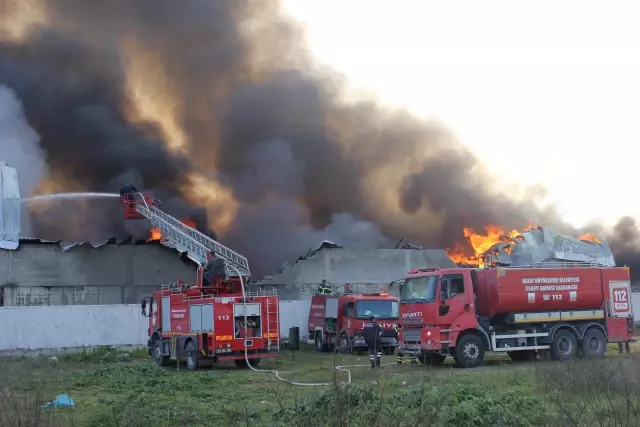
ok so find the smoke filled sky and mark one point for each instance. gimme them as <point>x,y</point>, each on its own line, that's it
<point>552,84</point>
<point>228,111</point>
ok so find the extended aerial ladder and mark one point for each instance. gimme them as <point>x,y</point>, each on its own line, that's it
<point>195,244</point>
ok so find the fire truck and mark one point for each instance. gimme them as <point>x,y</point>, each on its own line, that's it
<point>336,320</point>
<point>554,310</point>
<point>214,319</point>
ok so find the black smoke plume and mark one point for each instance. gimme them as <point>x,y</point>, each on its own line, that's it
<point>258,114</point>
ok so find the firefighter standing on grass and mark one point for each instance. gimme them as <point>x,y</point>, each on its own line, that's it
<point>372,332</point>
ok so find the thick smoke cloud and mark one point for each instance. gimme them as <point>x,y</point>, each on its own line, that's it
<point>237,99</point>
<point>19,143</point>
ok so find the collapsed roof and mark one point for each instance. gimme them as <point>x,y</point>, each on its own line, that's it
<point>540,245</point>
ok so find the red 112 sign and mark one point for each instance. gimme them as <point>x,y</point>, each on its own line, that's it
<point>621,300</point>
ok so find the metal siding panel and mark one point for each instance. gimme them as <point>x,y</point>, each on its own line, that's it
<point>207,318</point>
<point>195,318</point>
<point>166,314</point>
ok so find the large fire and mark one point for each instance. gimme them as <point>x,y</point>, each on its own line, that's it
<point>493,234</point>
<point>156,234</point>
<point>480,243</point>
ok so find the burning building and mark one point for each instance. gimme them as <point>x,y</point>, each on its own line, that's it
<point>40,272</point>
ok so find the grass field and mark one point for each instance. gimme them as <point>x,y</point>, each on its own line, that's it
<point>114,390</point>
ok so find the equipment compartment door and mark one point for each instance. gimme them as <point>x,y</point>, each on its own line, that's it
<point>620,297</point>
<point>166,314</point>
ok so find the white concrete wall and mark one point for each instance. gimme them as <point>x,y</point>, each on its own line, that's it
<point>53,327</point>
<point>635,305</point>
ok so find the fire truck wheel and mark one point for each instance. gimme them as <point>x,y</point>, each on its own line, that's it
<point>469,351</point>
<point>594,344</point>
<point>157,353</point>
<point>344,344</point>
<point>193,361</point>
<point>564,345</point>
<point>389,350</point>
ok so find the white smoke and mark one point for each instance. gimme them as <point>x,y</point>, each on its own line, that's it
<point>19,143</point>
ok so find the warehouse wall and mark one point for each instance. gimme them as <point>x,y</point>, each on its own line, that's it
<point>373,269</point>
<point>44,274</point>
<point>62,327</point>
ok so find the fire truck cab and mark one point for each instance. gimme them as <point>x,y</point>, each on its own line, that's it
<point>336,321</point>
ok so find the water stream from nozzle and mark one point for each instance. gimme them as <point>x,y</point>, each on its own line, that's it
<point>45,197</point>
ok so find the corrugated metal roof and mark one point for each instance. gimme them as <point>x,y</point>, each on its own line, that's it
<point>9,207</point>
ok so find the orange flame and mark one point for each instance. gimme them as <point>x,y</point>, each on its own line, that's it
<point>480,243</point>
<point>155,234</point>
<point>590,237</point>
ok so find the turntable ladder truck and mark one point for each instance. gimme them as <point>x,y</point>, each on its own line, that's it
<point>215,319</point>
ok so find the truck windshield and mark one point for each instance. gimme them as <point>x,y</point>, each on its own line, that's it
<point>381,309</point>
<point>419,288</point>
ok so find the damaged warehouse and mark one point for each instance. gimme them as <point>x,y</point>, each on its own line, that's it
<point>50,273</point>
<point>365,269</point>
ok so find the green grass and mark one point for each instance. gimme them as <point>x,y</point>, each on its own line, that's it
<point>135,392</point>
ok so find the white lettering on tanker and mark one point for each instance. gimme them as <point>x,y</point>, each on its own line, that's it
<point>529,280</point>
<point>550,284</point>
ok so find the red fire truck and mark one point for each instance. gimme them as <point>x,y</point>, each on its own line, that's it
<point>336,321</point>
<point>558,311</point>
<point>214,319</point>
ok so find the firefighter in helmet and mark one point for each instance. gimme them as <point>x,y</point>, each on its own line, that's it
<point>127,189</point>
<point>324,288</point>
<point>372,332</point>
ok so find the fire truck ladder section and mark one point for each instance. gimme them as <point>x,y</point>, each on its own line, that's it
<point>273,326</point>
<point>191,241</point>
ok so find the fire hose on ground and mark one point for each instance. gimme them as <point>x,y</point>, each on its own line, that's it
<point>341,368</point>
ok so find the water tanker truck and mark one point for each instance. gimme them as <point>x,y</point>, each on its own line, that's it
<point>555,309</point>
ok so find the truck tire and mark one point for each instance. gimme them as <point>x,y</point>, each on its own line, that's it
<point>469,351</point>
<point>157,353</point>
<point>433,359</point>
<point>344,344</point>
<point>522,355</point>
<point>594,344</point>
<point>389,350</point>
<point>564,345</point>
<point>193,360</point>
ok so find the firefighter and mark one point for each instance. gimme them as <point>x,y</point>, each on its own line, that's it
<point>324,288</point>
<point>372,332</point>
<point>127,189</point>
